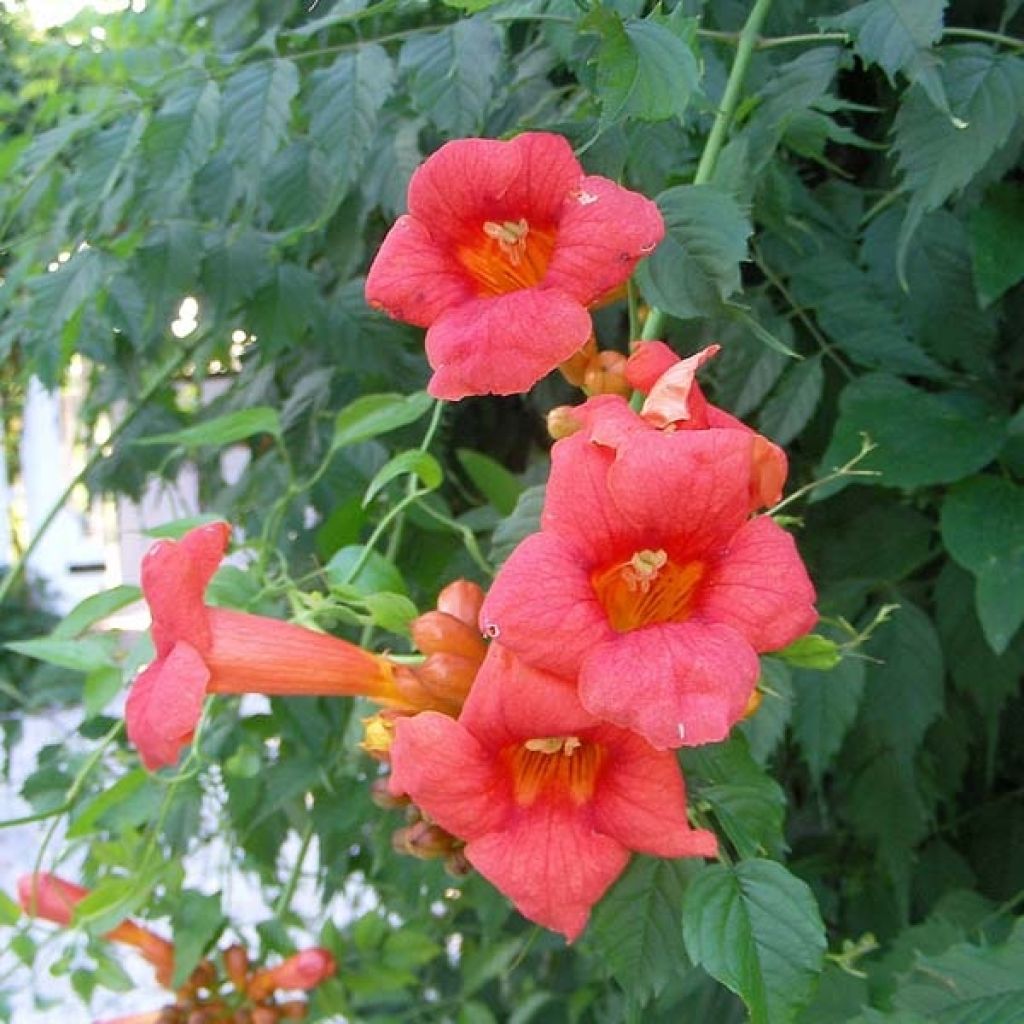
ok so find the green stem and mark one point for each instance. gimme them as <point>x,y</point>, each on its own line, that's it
<point>165,374</point>
<point>747,42</point>
<point>809,38</point>
<point>288,892</point>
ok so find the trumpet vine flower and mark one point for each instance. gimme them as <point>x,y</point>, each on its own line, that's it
<point>549,800</point>
<point>505,247</point>
<point>650,584</point>
<point>202,650</point>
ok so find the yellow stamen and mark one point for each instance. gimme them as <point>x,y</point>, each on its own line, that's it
<point>559,766</point>
<point>647,590</point>
<point>510,236</point>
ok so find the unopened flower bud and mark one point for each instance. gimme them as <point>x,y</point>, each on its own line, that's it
<point>457,864</point>
<point>423,840</point>
<point>294,1009</point>
<point>575,367</point>
<point>439,632</point>
<point>378,735</point>
<point>204,976</point>
<point>753,704</point>
<point>381,795</point>
<point>236,964</point>
<point>242,1017</point>
<point>265,1015</point>
<point>304,970</point>
<point>563,422</point>
<point>606,375</point>
<point>49,897</point>
<point>463,600</point>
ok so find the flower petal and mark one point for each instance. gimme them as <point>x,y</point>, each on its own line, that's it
<point>164,705</point>
<point>551,864</point>
<point>671,397</point>
<point>503,344</point>
<point>543,608</point>
<point>414,279</point>
<point>257,654</point>
<point>641,799</point>
<point>760,588</point>
<point>175,575</point>
<point>577,503</point>
<point>449,775</point>
<point>603,231</point>
<point>686,492</point>
<point>470,181</point>
<point>676,684</point>
<point>511,702</point>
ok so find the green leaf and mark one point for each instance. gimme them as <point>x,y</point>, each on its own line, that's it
<point>645,69</point>
<point>222,430</point>
<point>282,310</point>
<point>94,608</point>
<point>825,705</point>
<point>636,926</point>
<point>793,401</point>
<point>697,266</point>
<point>101,686</point>
<point>862,324</point>
<point>343,105</point>
<point>106,157</point>
<point>996,228</point>
<point>923,438</point>
<point>765,728</point>
<point>109,903</point>
<point>968,984</point>
<point>452,74</point>
<point>983,529</point>
<point>84,655</point>
<point>106,808</point>
<point>524,520</point>
<point>904,693</point>
<point>747,803</point>
<point>746,370</point>
<point>257,111</point>
<point>425,467</point>
<point>500,487</point>
<point>178,141</point>
<point>812,651</point>
<point>299,185</point>
<point>756,928</point>
<point>894,34</point>
<point>375,575</point>
<point>393,612</point>
<point>197,921</point>
<point>938,154</point>
<point>373,415</point>
<point>10,912</point>
<point>986,679</point>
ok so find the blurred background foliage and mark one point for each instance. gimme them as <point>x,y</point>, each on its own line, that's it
<point>858,252</point>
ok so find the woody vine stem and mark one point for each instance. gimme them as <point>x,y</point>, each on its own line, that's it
<point>748,39</point>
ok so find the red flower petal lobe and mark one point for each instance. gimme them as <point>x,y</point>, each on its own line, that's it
<point>504,344</point>
<point>164,705</point>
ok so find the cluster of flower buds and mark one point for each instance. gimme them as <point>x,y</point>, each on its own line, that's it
<point>450,638</point>
<point>241,995</point>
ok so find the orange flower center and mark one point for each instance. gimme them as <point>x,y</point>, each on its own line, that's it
<point>507,256</point>
<point>647,590</point>
<point>554,765</point>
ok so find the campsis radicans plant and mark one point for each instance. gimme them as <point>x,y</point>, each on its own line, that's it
<point>238,994</point>
<point>532,738</point>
